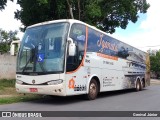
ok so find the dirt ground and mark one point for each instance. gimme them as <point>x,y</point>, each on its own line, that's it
<point>155,82</point>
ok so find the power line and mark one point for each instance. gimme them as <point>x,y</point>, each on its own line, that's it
<point>150,46</point>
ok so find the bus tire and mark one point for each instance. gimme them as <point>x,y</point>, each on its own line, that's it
<point>93,90</point>
<point>138,85</point>
<point>142,84</point>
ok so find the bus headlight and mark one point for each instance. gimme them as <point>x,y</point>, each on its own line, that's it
<point>19,82</point>
<point>55,82</point>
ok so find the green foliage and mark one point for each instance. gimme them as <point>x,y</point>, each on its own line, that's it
<point>5,40</point>
<point>9,95</point>
<point>4,84</point>
<point>15,99</point>
<point>3,4</point>
<point>35,11</point>
<point>4,48</point>
<point>7,37</point>
<point>104,14</point>
<point>7,83</point>
<point>155,62</point>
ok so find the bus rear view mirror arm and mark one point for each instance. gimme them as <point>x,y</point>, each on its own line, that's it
<point>72,47</point>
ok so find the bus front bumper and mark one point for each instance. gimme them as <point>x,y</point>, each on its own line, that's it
<point>58,90</point>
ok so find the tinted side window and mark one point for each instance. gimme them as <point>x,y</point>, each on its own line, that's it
<point>78,34</point>
<point>99,42</point>
<point>102,43</point>
<point>93,37</point>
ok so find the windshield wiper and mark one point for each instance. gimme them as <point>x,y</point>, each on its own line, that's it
<point>31,58</point>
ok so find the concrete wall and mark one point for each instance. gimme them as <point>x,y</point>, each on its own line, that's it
<point>7,66</point>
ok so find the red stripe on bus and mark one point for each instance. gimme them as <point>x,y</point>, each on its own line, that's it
<point>107,56</point>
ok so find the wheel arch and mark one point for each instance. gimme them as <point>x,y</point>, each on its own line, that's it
<point>97,80</point>
<point>143,82</point>
<point>138,78</point>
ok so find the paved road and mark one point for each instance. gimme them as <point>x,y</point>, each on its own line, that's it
<point>146,100</point>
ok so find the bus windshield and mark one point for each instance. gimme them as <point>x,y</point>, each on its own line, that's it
<point>42,49</point>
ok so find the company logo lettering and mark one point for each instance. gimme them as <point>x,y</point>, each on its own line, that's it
<point>80,88</point>
<point>107,56</point>
<point>106,45</point>
<point>6,114</point>
<point>87,61</point>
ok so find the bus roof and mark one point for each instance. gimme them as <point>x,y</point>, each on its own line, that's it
<point>56,21</point>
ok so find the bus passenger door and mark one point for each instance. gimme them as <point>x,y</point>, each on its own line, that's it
<point>76,75</point>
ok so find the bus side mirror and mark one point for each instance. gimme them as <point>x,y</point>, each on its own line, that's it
<point>12,49</point>
<point>72,47</point>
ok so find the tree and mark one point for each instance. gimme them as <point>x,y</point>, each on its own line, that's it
<point>104,14</point>
<point>155,62</point>
<point>6,38</point>
<point>3,4</point>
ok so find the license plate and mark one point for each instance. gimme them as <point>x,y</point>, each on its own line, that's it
<point>33,89</point>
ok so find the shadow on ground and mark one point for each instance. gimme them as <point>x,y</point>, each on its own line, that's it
<point>56,100</point>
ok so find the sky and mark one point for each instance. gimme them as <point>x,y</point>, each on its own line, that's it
<point>144,34</point>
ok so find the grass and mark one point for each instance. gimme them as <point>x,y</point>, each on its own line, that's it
<point>9,95</point>
<point>7,87</point>
<point>20,98</point>
<point>7,83</point>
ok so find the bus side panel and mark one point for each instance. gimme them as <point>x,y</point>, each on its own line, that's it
<point>76,81</point>
<point>115,73</point>
<point>121,64</point>
<point>112,74</point>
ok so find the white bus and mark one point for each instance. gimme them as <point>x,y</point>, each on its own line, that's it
<point>69,57</point>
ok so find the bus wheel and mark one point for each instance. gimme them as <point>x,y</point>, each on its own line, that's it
<point>93,90</point>
<point>142,85</point>
<point>138,85</point>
